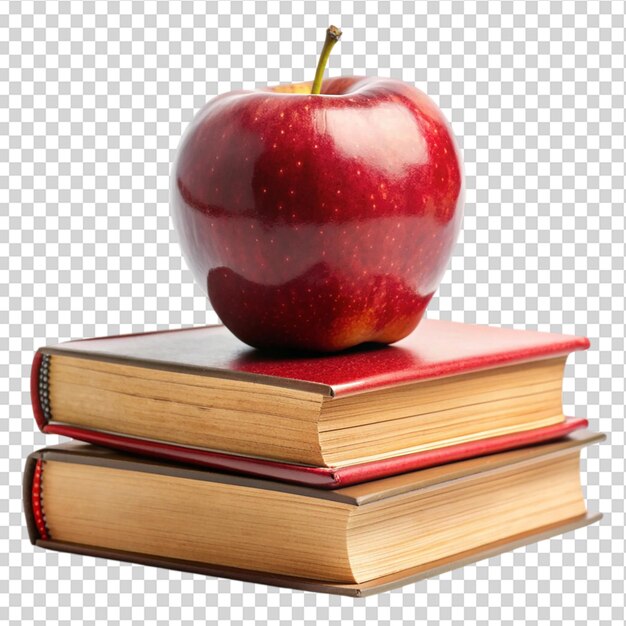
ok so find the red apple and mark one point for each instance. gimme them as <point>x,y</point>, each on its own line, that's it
<point>319,221</point>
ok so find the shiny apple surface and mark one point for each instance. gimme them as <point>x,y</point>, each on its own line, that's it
<point>319,222</point>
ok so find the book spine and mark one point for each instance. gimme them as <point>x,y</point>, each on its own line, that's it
<point>39,389</point>
<point>37,501</point>
<point>33,498</point>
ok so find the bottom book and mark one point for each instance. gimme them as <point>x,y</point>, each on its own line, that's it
<point>355,541</point>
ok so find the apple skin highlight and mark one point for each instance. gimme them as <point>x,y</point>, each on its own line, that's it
<point>319,222</point>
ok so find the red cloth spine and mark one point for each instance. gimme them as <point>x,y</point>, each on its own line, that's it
<point>34,391</point>
<point>38,513</point>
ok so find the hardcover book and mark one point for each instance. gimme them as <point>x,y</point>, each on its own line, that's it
<point>446,392</point>
<point>355,540</point>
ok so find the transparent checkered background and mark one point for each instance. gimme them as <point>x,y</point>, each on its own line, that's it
<point>93,99</point>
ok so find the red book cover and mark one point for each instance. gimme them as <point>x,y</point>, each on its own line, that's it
<point>436,349</point>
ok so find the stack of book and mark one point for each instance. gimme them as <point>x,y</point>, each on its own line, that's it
<point>349,473</point>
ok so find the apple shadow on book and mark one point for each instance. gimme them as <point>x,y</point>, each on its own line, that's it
<point>368,359</point>
<point>254,355</point>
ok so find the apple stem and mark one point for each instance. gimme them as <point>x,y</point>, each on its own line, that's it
<point>332,37</point>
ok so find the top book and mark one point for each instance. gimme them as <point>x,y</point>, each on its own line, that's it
<point>445,384</point>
